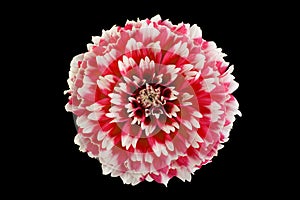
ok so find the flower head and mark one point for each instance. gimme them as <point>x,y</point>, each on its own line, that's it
<point>152,100</point>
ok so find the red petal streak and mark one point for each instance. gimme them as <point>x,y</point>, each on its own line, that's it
<point>115,131</point>
<point>172,173</point>
<point>157,178</point>
<point>227,122</point>
<point>169,107</point>
<point>221,67</point>
<point>128,27</point>
<point>100,94</point>
<point>151,141</point>
<point>182,161</point>
<point>135,104</point>
<point>139,113</point>
<point>105,124</point>
<point>198,41</point>
<point>191,152</point>
<point>113,68</point>
<point>170,58</point>
<point>148,21</point>
<point>147,120</point>
<point>203,130</point>
<point>166,93</point>
<point>143,145</point>
<point>104,101</point>
<point>160,137</point>
<point>204,44</point>
<point>181,29</point>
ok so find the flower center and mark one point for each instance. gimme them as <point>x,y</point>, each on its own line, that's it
<point>150,96</point>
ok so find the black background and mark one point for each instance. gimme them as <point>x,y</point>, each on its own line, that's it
<point>58,32</point>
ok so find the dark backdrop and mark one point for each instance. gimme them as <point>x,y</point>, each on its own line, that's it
<point>61,31</point>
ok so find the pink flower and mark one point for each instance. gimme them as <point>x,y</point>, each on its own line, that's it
<point>152,100</point>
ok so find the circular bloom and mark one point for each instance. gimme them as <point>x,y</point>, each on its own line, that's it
<point>152,100</point>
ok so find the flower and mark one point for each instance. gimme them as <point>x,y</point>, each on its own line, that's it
<point>152,100</point>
